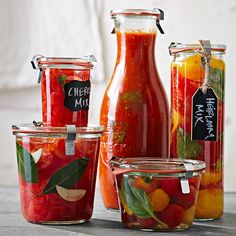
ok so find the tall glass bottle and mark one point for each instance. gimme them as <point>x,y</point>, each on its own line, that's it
<point>199,133</point>
<point>135,108</point>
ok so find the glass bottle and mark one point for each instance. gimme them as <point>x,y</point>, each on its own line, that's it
<point>188,74</point>
<point>65,89</point>
<point>134,109</point>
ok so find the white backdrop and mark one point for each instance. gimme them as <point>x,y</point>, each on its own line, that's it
<point>185,21</point>
<point>55,29</point>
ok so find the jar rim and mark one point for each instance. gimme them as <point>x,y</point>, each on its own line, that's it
<point>154,13</point>
<point>176,47</point>
<point>85,62</point>
<point>156,165</point>
<point>32,129</point>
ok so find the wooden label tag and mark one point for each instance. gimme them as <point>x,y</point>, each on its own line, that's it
<point>204,115</point>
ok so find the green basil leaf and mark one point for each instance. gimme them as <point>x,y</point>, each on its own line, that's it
<point>138,201</point>
<point>132,99</point>
<point>216,81</point>
<point>61,80</point>
<point>132,202</point>
<point>119,129</point>
<point>147,179</point>
<point>187,148</point>
<point>131,96</point>
<point>67,176</point>
<point>26,167</point>
<point>143,199</point>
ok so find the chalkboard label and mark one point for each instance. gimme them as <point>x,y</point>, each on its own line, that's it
<point>204,115</point>
<point>77,95</point>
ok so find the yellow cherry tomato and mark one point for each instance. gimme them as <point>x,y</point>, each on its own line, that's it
<point>210,178</point>
<point>123,203</point>
<point>159,200</point>
<point>209,204</point>
<point>217,63</point>
<point>189,215</point>
<point>177,120</point>
<point>191,68</point>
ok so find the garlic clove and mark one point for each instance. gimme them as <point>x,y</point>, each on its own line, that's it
<point>70,195</point>
<point>36,155</point>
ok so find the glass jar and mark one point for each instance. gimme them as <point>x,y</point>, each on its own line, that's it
<point>65,89</point>
<point>57,187</point>
<point>157,194</point>
<point>189,75</point>
<point>134,109</point>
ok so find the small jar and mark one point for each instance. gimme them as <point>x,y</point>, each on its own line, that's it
<point>157,194</point>
<point>197,117</point>
<point>57,169</point>
<point>65,89</point>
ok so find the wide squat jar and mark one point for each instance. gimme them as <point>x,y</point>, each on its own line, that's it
<point>157,194</point>
<point>197,118</point>
<point>134,108</point>
<point>57,172</point>
<point>65,89</point>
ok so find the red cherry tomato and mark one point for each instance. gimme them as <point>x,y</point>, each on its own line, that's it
<point>186,200</point>
<point>171,186</point>
<point>146,222</point>
<point>172,215</point>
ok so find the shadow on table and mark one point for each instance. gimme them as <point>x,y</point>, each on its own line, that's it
<point>224,226</point>
<point>95,227</point>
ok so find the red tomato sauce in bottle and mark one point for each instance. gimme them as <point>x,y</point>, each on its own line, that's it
<point>134,110</point>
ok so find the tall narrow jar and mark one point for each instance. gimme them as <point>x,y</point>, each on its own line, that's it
<point>188,136</point>
<point>134,109</point>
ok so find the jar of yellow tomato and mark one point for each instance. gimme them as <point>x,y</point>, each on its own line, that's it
<point>197,117</point>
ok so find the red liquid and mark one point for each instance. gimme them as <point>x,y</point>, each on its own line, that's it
<point>39,207</point>
<point>54,112</point>
<point>134,109</point>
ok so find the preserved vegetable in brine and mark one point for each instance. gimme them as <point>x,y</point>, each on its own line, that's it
<point>152,195</point>
<point>56,188</point>
<point>193,115</point>
<point>65,89</point>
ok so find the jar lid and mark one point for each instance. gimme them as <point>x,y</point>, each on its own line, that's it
<point>179,47</point>
<point>34,129</point>
<point>155,13</point>
<point>156,165</point>
<point>86,62</point>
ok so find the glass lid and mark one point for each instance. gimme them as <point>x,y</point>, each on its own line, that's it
<point>155,13</point>
<point>179,47</point>
<point>156,165</point>
<point>38,128</point>
<point>86,62</point>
